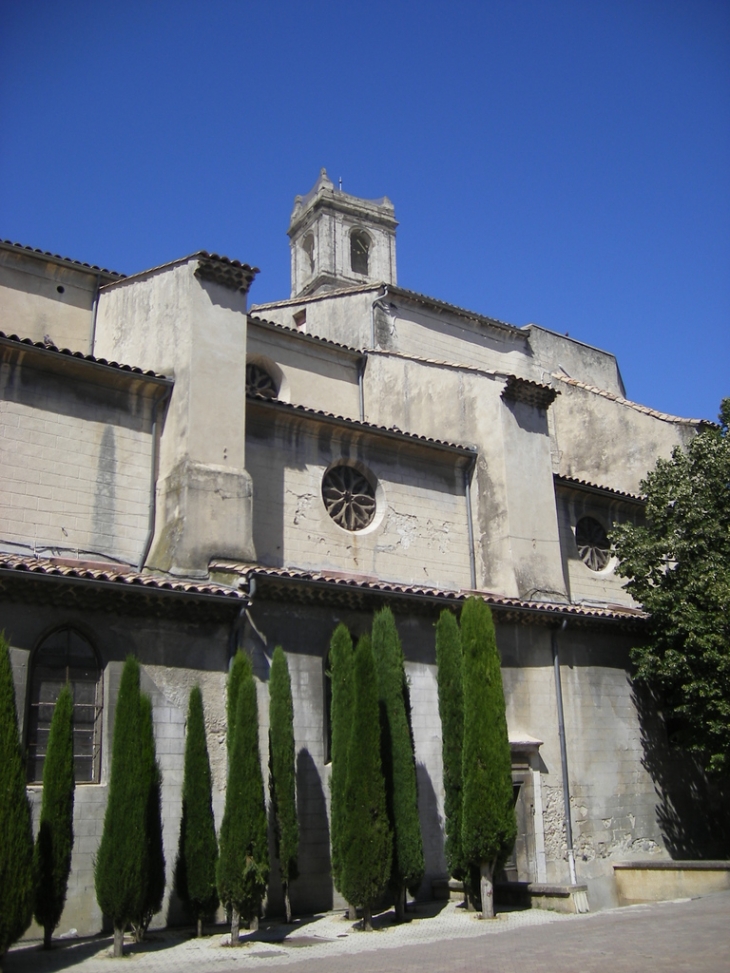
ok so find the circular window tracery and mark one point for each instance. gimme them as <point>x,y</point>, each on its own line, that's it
<point>259,382</point>
<point>594,547</point>
<point>349,497</point>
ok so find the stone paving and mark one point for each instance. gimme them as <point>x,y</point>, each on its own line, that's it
<point>687,935</point>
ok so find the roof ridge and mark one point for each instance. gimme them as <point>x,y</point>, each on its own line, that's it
<point>67,260</point>
<point>68,353</point>
<point>665,416</point>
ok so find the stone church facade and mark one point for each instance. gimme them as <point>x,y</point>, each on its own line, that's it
<point>183,474</point>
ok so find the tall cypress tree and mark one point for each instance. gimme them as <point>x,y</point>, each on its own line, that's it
<point>243,865</point>
<point>122,862</point>
<point>16,836</point>
<point>367,840</point>
<point>341,661</point>
<point>235,677</point>
<point>150,768</point>
<point>451,710</point>
<point>52,854</point>
<point>399,765</point>
<point>195,880</point>
<point>489,826</point>
<point>282,782</point>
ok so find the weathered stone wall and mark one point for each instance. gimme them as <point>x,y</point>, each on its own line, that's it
<point>75,461</point>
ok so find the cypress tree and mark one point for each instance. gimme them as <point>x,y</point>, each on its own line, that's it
<point>52,853</point>
<point>488,825</point>
<point>235,676</point>
<point>243,865</point>
<point>197,858</point>
<point>367,841</point>
<point>150,768</point>
<point>282,783</point>
<point>451,711</point>
<point>399,765</point>
<point>121,870</point>
<point>16,844</point>
<point>341,661</point>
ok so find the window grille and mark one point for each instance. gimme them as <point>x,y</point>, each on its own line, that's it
<point>349,497</point>
<point>594,547</point>
<point>259,382</point>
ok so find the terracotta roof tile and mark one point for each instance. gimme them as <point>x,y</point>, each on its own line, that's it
<point>393,431</point>
<point>15,340</point>
<point>574,481</point>
<point>306,335</point>
<point>101,271</point>
<point>665,416</point>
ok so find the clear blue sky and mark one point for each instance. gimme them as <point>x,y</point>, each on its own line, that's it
<point>565,162</point>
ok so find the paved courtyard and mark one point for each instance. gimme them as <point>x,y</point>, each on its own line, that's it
<point>686,935</point>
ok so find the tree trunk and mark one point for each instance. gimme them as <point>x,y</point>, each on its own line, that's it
<point>400,904</point>
<point>486,887</point>
<point>200,928</point>
<point>287,903</point>
<point>253,924</point>
<point>367,919</point>
<point>118,942</point>
<point>47,936</point>
<point>235,927</point>
<point>352,912</point>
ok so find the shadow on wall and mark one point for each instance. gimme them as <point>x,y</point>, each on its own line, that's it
<point>432,832</point>
<point>693,812</point>
<point>312,891</point>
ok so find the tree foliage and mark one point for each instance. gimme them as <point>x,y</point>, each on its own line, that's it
<point>341,662</point>
<point>367,843</point>
<point>678,566</point>
<point>399,765</point>
<point>16,844</point>
<point>52,853</point>
<point>282,780</point>
<point>489,826</point>
<point>122,862</point>
<point>243,863</point>
<point>149,769</point>
<point>195,871</point>
<point>451,711</point>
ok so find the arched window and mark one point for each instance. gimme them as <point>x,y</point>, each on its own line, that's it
<point>63,657</point>
<point>594,547</point>
<point>259,382</point>
<point>308,248</point>
<point>359,251</point>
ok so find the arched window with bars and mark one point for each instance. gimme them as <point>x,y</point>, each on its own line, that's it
<point>65,656</point>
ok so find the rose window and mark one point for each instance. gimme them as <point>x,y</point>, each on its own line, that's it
<point>349,497</point>
<point>594,547</point>
<point>259,382</point>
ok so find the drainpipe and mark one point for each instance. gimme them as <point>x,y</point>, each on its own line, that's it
<point>468,474</point>
<point>361,366</point>
<point>377,300</point>
<point>158,403</point>
<point>94,310</point>
<point>563,750</point>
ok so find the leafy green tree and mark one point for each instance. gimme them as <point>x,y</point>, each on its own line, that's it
<point>150,768</point>
<point>52,853</point>
<point>399,765</point>
<point>341,662</point>
<point>195,880</point>
<point>122,862</point>
<point>16,845</point>
<point>678,566</point>
<point>243,863</point>
<point>282,781</point>
<point>489,826</point>
<point>451,711</point>
<point>367,842</point>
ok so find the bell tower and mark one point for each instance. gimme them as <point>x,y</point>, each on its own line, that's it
<point>338,240</point>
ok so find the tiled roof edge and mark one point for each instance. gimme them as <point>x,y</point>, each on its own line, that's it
<point>559,609</point>
<point>304,335</point>
<point>14,339</point>
<point>664,416</point>
<point>393,431</point>
<point>575,481</point>
<point>57,258</point>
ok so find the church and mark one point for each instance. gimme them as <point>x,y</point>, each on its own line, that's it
<point>185,473</point>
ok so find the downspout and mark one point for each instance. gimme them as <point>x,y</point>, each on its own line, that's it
<point>361,366</point>
<point>94,311</point>
<point>563,750</point>
<point>153,474</point>
<point>468,474</point>
<point>381,297</point>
